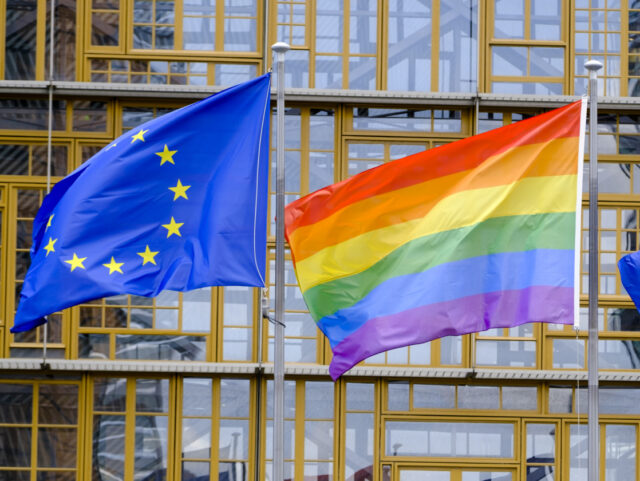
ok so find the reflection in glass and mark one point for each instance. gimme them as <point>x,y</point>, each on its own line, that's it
<point>233,439</point>
<point>409,31</point>
<point>108,447</point>
<point>442,439</point>
<point>486,476</point>
<point>458,46</point>
<point>54,447</point>
<point>568,353</point>
<point>451,350</point>
<point>150,347</point>
<point>359,446</point>
<point>16,401</point>
<point>150,452</point>
<point>618,354</point>
<point>57,404</point>
<point>20,40</point>
<point>360,396</point>
<point>152,395</point>
<point>509,19</point>
<point>578,452</point>
<point>619,400</point>
<point>541,443</point>
<point>506,353</point>
<point>15,449</point>
<point>109,394</point>
<point>620,452</point>
<point>196,438</point>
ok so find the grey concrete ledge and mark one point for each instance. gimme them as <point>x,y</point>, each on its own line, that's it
<point>369,97</point>
<point>167,367</point>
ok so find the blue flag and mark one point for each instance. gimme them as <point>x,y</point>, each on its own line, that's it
<point>629,267</point>
<point>177,203</point>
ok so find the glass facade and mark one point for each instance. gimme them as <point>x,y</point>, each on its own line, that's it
<point>178,387</point>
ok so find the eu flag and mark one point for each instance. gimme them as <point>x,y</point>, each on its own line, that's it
<point>177,203</point>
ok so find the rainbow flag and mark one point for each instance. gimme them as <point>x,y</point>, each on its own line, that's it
<point>473,235</point>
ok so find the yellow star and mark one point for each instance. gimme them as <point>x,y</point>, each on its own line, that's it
<point>148,256</point>
<point>114,266</point>
<point>173,228</point>
<point>139,136</point>
<point>76,262</point>
<point>49,247</point>
<point>49,221</point>
<point>166,155</point>
<point>180,190</point>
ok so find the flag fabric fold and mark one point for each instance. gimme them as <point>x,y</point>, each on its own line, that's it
<point>477,234</point>
<point>629,267</point>
<point>177,203</point>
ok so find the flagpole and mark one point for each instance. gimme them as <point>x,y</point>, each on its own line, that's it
<point>594,432</point>
<point>280,48</point>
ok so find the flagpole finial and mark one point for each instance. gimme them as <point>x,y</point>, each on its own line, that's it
<point>280,47</point>
<point>590,65</point>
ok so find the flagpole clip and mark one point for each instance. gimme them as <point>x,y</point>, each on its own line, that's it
<point>265,309</point>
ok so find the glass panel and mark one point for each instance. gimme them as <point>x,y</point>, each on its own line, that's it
<point>509,19</point>
<point>171,348</point>
<point>196,438</point>
<point>519,398</point>
<point>420,475</point>
<point>20,40</point>
<point>89,116</point>
<point>451,350</point>
<point>365,118</point>
<point>458,46</point>
<point>441,439</point>
<point>57,404</point>
<point>398,396</point>
<point>105,29</point>
<point>560,399</point>
<point>150,455</point>
<point>619,400</point>
<point>546,61</point>
<point>620,452</point>
<point>196,310</point>
<point>506,353</point>
<point>318,400</point>
<point>618,354</point>
<point>434,396</point>
<point>541,443</point>
<point>195,471</point>
<point>108,447</point>
<point>15,449</point>
<point>196,397</point>
<point>568,353</point>
<point>409,43</point>
<point>16,401</point>
<point>359,446</point>
<point>152,395</point>
<point>486,476</point>
<point>109,394</point>
<point>478,397</point>
<point>509,61</point>
<point>54,447</point>
<point>234,397</point>
<point>578,452</point>
<point>546,16</point>
<point>360,397</point>
<point>238,306</point>
<point>318,440</point>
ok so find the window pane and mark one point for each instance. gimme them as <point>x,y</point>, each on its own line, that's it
<point>441,439</point>
<point>620,449</point>
<point>16,401</point>
<point>458,45</point>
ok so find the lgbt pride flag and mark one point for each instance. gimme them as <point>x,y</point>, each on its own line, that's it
<point>473,235</point>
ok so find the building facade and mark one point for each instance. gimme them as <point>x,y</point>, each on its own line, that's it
<point>179,387</point>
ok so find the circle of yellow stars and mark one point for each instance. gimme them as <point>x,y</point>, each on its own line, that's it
<point>173,227</point>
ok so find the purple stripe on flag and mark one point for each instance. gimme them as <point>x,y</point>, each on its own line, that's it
<point>452,318</point>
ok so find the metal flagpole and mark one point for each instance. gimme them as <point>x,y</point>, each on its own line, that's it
<point>52,4</point>
<point>594,432</point>
<point>280,49</point>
